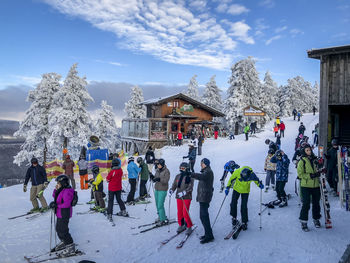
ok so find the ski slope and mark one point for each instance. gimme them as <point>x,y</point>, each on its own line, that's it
<point>280,240</point>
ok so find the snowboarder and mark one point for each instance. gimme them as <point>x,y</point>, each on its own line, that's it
<point>204,195</point>
<point>246,131</point>
<point>183,184</point>
<point>275,130</point>
<point>63,195</point>
<point>161,180</point>
<point>282,170</point>
<point>272,145</point>
<point>302,128</point>
<point>149,157</point>
<point>282,128</point>
<point>133,174</point>
<point>315,133</point>
<point>294,113</point>
<point>200,143</point>
<point>68,166</point>
<point>37,174</point>
<point>144,174</point>
<point>230,166</point>
<point>332,166</point>
<point>191,156</point>
<point>310,188</point>
<point>240,182</point>
<point>314,109</point>
<point>270,169</point>
<point>83,172</point>
<point>114,179</point>
<point>97,188</point>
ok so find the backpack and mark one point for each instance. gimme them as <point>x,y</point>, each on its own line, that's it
<point>75,199</point>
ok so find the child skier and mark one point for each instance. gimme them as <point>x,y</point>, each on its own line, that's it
<point>275,130</point>
<point>97,188</point>
<point>144,173</point>
<point>183,184</point>
<point>191,156</point>
<point>230,166</point>
<point>270,169</point>
<point>114,179</point>
<point>133,174</point>
<point>240,181</point>
<point>63,196</point>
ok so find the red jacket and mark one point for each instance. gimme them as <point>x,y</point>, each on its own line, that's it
<point>179,136</point>
<point>282,126</point>
<point>114,178</point>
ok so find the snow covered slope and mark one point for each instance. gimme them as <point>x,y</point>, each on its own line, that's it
<point>280,240</point>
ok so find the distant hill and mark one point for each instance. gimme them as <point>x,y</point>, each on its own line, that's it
<point>8,127</point>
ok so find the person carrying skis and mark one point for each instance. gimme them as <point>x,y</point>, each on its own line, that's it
<point>282,128</point>
<point>161,180</point>
<point>282,170</point>
<point>240,182</point>
<point>270,169</point>
<point>272,145</point>
<point>97,188</point>
<point>83,172</point>
<point>246,131</point>
<point>230,166</point>
<point>114,179</point>
<point>302,128</point>
<point>37,174</point>
<point>133,174</point>
<point>68,166</point>
<point>149,157</point>
<point>191,156</point>
<point>204,195</point>
<point>332,166</point>
<point>310,188</point>
<point>144,174</point>
<point>183,184</point>
<point>294,112</point>
<point>63,195</point>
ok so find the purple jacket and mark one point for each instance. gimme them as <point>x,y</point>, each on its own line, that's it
<point>64,202</point>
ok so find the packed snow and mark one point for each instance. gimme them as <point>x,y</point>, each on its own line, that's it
<point>280,239</point>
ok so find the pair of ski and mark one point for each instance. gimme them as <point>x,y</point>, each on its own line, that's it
<point>112,221</point>
<point>182,242</point>
<point>51,256</point>
<point>28,215</point>
<point>153,226</point>
<point>234,232</point>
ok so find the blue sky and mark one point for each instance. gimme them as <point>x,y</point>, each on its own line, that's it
<point>144,43</point>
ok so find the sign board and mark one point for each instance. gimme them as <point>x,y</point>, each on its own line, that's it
<point>253,111</point>
<point>187,107</point>
<point>170,104</point>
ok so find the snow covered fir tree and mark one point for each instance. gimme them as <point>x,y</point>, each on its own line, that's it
<point>212,94</point>
<point>192,88</point>
<point>133,108</point>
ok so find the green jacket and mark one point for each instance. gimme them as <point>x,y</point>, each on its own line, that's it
<point>242,187</point>
<point>304,170</point>
<point>144,171</point>
<point>246,129</point>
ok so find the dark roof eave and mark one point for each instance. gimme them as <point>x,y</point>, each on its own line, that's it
<point>317,53</point>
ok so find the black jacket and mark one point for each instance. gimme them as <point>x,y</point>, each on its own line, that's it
<point>332,158</point>
<point>149,157</point>
<point>301,129</point>
<point>205,186</point>
<point>37,174</point>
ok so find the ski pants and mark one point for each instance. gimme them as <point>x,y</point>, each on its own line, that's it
<point>270,177</point>
<point>200,150</point>
<point>204,216</point>
<point>131,194</point>
<point>192,163</point>
<point>63,230</point>
<point>310,195</point>
<point>99,199</point>
<point>246,136</point>
<point>72,180</point>
<point>281,194</point>
<point>160,199</point>
<point>282,133</point>
<point>183,205</point>
<point>332,177</point>
<point>143,188</point>
<point>216,134</point>
<point>34,190</point>
<point>83,181</point>
<point>244,205</point>
<point>118,196</point>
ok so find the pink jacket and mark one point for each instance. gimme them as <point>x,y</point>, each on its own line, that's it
<point>64,202</point>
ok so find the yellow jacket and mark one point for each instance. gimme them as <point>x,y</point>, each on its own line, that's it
<point>240,186</point>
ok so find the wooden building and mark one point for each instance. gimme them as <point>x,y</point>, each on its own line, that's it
<point>334,105</point>
<point>165,117</point>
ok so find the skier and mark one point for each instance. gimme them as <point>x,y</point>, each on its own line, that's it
<point>133,174</point>
<point>204,195</point>
<point>294,113</point>
<point>278,121</point>
<point>230,166</point>
<point>282,128</point>
<point>63,195</point>
<point>191,156</point>
<point>114,179</point>
<point>97,188</point>
<point>161,180</point>
<point>298,141</point>
<point>299,115</point>
<point>282,170</point>
<point>272,145</point>
<point>302,128</point>
<point>179,138</point>
<point>275,130</point>
<point>216,132</point>
<point>83,172</point>
<point>310,188</point>
<point>246,131</point>
<point>200,143</point>
<point>183,184</point>
<point>270,169</point>
<point>314,109</point>
<point>332,166</point>
<point>315,133</point>
<point>297,155</point>
<point>149,157</point>
<point>194,141</point>
<point>68,165</point>
<point>37,174</point>
<point>144,173</point>
<point>278,141</point>
<point>240,182</point>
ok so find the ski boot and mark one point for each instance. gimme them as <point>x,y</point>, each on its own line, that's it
<point>68,250</point>
<point>317,223</point>
<point>273,187</point>
<point>266,189</point>
<point>91,202</point>
<point>181,228</point>
<point>110,218</point>
<point>123,213</point>
<point>304,227</point>
<point>189,231</point>
<point>283,203</point>
<point>59,247</point>
<point>244,226</point>
<point>157,220</point>
<point>277,202</point>
<point>34,210</point>
<point>234,222</point>
<point>102,210</point>
<point>44,209</point>
<point>163,223</point>
<point>206,240</point>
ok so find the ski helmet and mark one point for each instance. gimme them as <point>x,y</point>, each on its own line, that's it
<point>34,160</point>
<point>271,151</point>
<point>95,169</point>
<point>131,159</point>
<point>115,162</point>
<point>139,160</point>
<point>245,173</point>
<point>231,166</point>
<point>278,154</point>
<point>161,162</point>
<point>267,141</point>
<point>63,180</point>
<point>334,142</point>
<point>184,167</point>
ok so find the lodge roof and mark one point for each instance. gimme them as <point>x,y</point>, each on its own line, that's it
<point>161,100</point>
<point>317,53</point>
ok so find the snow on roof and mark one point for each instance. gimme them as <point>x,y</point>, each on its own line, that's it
<point>316,53</point>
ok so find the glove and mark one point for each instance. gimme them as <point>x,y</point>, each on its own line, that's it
<point>151,176</point>
<point>24,188</point>
<point>53,205</point>
<point>261,185</point>
<point>313,176</point>
<point>227,190</point>
<point>171,192</point>
<point>181,194</point>
<point>46,184</point>
<point>157,179</point>
<point>265,170</point>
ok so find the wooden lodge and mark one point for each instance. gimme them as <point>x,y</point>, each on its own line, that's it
<point>165,117</point>
<point>334,105</point>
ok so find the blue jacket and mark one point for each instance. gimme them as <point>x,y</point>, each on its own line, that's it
<point>191,155</point>
<point>133,170</point>
<point>282,168</point>
<point>36,174</point>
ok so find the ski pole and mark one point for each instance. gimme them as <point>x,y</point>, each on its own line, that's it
<point>183,201</point>
<point>51,231</point>
<point>169,214</point>
<point>260,207</point>
<point>149,188</point>
<point>223,201</point>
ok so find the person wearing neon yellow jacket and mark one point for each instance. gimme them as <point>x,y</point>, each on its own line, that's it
<point>240,182</point>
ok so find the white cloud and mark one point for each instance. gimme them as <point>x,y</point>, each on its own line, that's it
<point>280,29</point>
<point>240,30</point>
<point>268,42</point>
<point>294,32</point>
<point>198,4</point>
<point>267,3</point>
<point>26,80</point>
<point>110,62</point>
<point>260,27</point>
<point>233,9</point>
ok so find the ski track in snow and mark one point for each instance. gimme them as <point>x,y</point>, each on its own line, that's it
<point>280,240</point>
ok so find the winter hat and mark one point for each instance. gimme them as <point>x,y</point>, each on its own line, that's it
<point>131,159</point>
<point>34,160</point>
<point>206,161</point>
<point>300,136</point>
